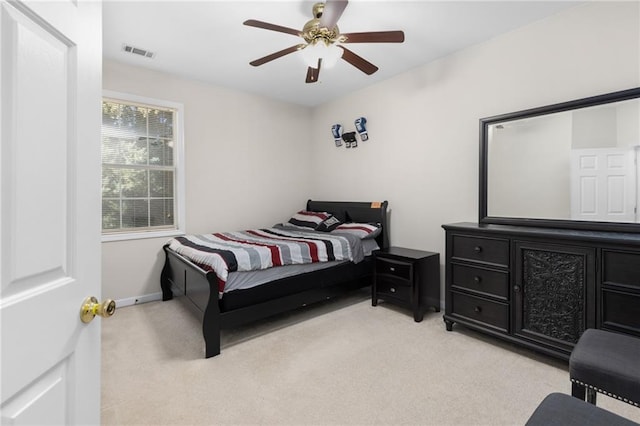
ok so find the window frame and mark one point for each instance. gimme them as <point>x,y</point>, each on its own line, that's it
<point>178,155</point>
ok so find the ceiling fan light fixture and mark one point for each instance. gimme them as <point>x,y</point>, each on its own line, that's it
<point>324,42</point>
<point>329,53</point>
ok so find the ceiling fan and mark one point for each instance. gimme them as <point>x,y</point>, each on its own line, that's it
<point>324,42</point>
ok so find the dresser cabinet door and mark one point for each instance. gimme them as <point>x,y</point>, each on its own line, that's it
<point>553,293</point>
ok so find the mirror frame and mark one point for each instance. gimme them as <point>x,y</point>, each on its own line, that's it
<point>534,112</point>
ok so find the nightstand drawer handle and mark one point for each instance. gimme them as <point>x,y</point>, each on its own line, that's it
<point>477,279</point>
<point>392,269</point>
<point>477,249</point>
<point>392,290</point>
<point>477,309</point>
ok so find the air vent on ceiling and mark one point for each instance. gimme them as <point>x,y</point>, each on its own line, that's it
<point>137,51</point>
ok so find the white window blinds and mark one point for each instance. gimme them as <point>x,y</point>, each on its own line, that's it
<point>138,167</point>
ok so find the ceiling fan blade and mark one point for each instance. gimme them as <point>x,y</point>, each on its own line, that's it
<point>358,61</point>
<point>272,27</point>
<point>375,37</point>
<point>332,12</point>
<point>275,55</point>
<point>313,73</point>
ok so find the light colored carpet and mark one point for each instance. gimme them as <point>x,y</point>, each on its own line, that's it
<point>341,362</point>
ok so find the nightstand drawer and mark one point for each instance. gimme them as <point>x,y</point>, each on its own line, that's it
<point>478,309</point>
<point>493,283</point>
<point>394,288</point>
<point>394,268</point>
<point>478,249</point>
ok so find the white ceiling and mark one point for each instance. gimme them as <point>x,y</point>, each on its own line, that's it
<point>206,41</point>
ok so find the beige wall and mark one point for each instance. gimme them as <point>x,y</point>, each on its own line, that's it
<point>235,146</point>
<point>422,155</point>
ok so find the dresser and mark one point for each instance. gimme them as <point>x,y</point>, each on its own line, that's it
<point>538,287</point>
<point>407,277</point>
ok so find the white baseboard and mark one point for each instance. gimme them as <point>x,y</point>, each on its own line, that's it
<point>121,303</point>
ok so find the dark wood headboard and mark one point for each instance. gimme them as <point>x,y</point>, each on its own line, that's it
<point>356,211</point>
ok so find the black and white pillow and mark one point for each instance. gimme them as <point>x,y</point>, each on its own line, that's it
<point>328,224</point>
<point>307,219</point>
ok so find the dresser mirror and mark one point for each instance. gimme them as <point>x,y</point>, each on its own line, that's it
<point>572,165</point>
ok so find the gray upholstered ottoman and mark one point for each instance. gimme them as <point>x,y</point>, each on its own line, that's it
<point>563,410</point>
<point>606,362</point>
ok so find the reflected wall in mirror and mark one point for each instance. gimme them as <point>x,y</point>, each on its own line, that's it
<point>572,165</point>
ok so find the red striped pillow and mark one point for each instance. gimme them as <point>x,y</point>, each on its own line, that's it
<point>308,219</point>
<point>362,230</point>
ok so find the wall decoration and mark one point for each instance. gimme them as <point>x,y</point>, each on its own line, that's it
<point>349,138</point>
<point>336,130</point>
<point>361,129</point>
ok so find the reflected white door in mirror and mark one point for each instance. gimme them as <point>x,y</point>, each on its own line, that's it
<point>604,184</point>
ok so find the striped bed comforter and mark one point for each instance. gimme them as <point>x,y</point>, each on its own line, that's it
<point>255,249</point>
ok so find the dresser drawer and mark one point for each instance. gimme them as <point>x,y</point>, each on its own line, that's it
<point>493,283</point>
<point>495,314</point>
<point>395,288</point>
<point>394,268</point>
<point>621,268</point>
<point>479,249</point>
<point>621,311</point>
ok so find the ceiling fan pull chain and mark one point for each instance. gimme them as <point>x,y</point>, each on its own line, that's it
<point>362,130</point>
<point>336,129</point>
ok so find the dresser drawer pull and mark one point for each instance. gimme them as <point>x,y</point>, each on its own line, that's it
<point>477,309</point>
<point>392,290</point>
<point>392,269</point>
<point>516,288</point>
<point>477,249</point>
<point>477,279</point>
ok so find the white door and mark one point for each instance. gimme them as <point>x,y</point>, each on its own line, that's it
<point>50,82</point>
<point>603,184</point>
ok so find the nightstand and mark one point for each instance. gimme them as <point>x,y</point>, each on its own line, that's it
<point>407,277</point>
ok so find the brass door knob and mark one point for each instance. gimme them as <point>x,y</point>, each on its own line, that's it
<point>91,307</point>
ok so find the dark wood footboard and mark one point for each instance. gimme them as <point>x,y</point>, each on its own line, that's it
<point>200,288</point>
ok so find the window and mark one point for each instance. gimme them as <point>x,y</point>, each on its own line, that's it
<point>141,173</point>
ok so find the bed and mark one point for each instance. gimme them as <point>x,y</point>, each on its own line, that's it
<point>258,297</point>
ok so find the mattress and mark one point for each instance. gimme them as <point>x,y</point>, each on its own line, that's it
<point>242,280</point>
